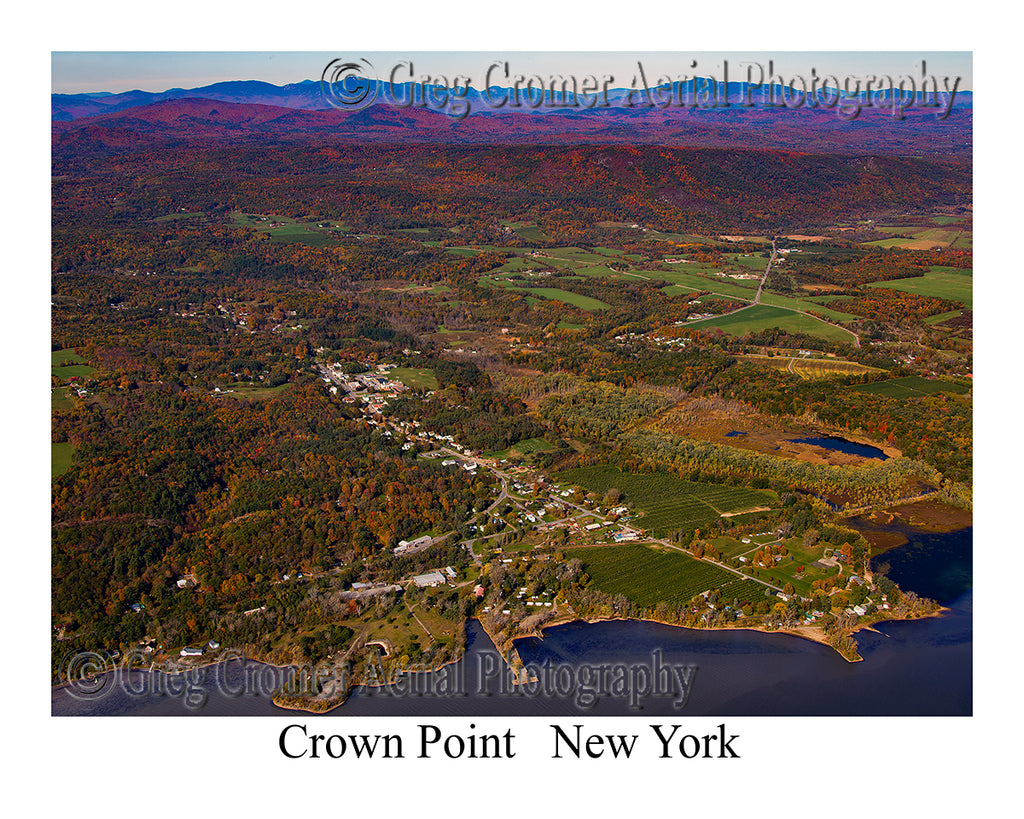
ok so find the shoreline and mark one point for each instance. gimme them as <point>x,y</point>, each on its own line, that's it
<point>813,633</point>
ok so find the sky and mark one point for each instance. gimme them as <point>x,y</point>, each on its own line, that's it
<point>117,71</point>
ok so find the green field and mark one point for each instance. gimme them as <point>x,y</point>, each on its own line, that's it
<point>60,399</point>
<point>775,300</point>
<point>647,576</point>
<point>668,502</point>
<point>528,231</point>
<point>931,321</point>
<point>922,237</point>
<point>287,229</point>
<point>763,316</point>
<point>531,445</point>
<point>517,265</point>
<point>415,378</point>
<point>60,458</point>
<point>733,547</point>
<point>63,358</point>
<point>940,282</point>
<point>65,364</point>
<point>913,386</point>
<point>551,293</point>
<point>756,263</point>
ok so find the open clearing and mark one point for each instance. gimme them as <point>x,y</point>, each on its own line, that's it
<point>940,282</point>
<point>65,364</point>
<point>60,458</point>
<point>763,316</point>
<point>414,378</point>
<point>286,229</point>
<point>913,386</point>
<point>809,368</point>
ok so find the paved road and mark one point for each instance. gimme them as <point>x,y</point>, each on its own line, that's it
<point>757,300</point>
<point>767,270</point>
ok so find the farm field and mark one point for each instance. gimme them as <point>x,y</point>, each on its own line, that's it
<point>647,576</point>
<point>912,386</point>
<point>763,316</point>
<point>756,263</point>
<point>922,238</point>
<point>669,502</point>
<point>65,364</point>
<point>806,305</point>
<point>527,230</point>
<point>809,368</point>
<point>941,282</point>
<point>289,230</point>
<point>551,293</point>
<point>931,321</point>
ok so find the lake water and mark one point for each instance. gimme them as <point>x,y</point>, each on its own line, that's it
<point>842,445</point>
<point>916,668</point>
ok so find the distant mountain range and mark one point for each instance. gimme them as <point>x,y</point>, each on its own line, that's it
<point>255,109</point>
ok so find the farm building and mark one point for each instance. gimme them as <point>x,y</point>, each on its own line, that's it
<point>429,579</point>
<point>424,540</point>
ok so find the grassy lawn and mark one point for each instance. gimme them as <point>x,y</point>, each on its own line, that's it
<point>60,399</point>
<point>60,458</point>
<point>414,378</point>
